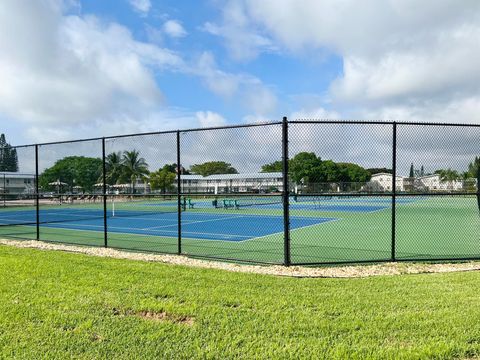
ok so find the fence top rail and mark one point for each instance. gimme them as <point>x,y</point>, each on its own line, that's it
<point>225,127</point>
<point>378,122</point>
<point>259,124</point>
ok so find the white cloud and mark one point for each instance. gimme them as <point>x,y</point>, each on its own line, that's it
<point>67,77</point>
<point>210,119</point>
<point>125,123</point>
<point>141,6</point>
<point>403,60</point>
<point>62,70</point>
<point>252,93</point>
<point>432,71</point>
<point>260,100</point>
<point>242,38</point>
<point>221,83</point>
<point>402,53</point>
<point>174,29</point>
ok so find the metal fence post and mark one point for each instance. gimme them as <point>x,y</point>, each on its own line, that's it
<point>4,190</point>
<point>394,188</point>
<point>37,195</point>
<point>179,196</point>
<point>105,230</point>
<point>286,193</point>
<point>478,188</point>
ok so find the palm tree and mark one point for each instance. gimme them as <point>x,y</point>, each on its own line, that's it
<point>134,167</point>
<point>114,167</point>
<point>449,176</point>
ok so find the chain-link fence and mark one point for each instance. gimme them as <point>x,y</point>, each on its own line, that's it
<point>287,192</point>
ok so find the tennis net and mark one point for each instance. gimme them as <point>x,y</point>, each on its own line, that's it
<point>53,211</point>
<point>251,201</point>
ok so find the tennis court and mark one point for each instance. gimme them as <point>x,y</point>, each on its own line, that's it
<point>328,229</point>
<point>225,227</point>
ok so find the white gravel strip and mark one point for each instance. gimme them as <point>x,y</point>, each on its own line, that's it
<point>349,271</point>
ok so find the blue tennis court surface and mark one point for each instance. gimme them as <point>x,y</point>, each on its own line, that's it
<point>161,217</point>
<point>227,227</point>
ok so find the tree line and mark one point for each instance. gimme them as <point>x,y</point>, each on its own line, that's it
<point>86,172</point>
<point>308,168</point>
<point>128,167</point>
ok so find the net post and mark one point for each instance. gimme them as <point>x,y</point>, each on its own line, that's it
<point>394,189</point>
<point>286,205</point>
<point>179,196</point>
<point>104,190</point>
<point>37,195</point>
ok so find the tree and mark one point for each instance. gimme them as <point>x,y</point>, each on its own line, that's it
<point>114,168</point>
<point>134,167</point>
<point>330,172</point>
<point>412,171</point>
<point>305,167</point>
<point>353,173</point>
<point>474,167</point>
<point>170,167</point>
<point>448,175</point>
<point>422,171</point>
<point>212,168</point>
<point>374,171</point>
<point>276,166</point>
<point>163,179</point>
<point>8,156</point>
<point>73,170</point>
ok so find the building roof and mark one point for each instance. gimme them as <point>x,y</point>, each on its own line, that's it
<point>10,175</point>
<point>273,175</point>
<point>388,174</point>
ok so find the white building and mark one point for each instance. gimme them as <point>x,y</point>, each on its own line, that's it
<point>15,183</point>
<point>384,181</point>
<point>433,183</point>
<point>236,183</point>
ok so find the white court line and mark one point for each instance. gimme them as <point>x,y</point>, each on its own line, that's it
<point>133,233</point>
<point>59,226</point>
<point>299,228</point>
<point>195,222</point>
<point>193,233</point>
<point>140,218</point>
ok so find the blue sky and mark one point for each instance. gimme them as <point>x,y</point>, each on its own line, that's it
<point>84,68</point>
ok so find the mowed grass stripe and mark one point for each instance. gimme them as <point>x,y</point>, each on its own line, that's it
<point>63,305</point>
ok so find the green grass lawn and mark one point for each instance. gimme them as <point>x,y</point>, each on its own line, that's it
<point>61,305</point>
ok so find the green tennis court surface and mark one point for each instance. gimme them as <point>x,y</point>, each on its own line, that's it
<point>332,230</point>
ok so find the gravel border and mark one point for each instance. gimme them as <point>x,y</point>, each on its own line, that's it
<point>350,271</point>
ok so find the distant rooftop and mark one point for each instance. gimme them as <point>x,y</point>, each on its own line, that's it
<point>11,174</point>
<point>234,176</point>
